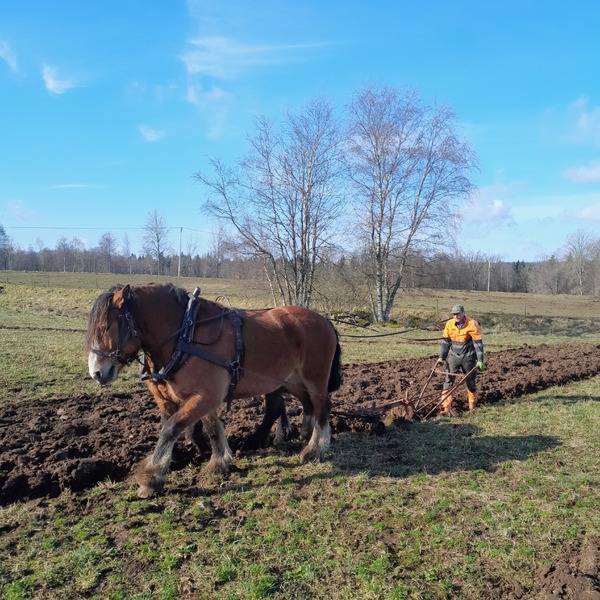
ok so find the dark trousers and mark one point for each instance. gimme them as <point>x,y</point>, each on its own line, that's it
<point>461,364</point>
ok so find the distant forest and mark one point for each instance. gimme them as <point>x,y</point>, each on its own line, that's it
<point>574,269</point>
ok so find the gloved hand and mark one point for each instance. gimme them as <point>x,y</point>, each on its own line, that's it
<point>440,361</point>
<point>480,365</point>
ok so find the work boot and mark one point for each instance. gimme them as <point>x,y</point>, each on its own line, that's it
<point>446,403</point>
<point>472,399</point>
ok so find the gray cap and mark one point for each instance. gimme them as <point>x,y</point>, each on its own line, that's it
<point>457,308</point>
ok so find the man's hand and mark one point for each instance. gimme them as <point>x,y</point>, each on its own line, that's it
<point>480,365</point>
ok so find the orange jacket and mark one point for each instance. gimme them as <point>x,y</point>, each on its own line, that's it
<point>463,340</point>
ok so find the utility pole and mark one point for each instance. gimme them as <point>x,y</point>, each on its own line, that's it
<point>489,273</point>
<point>179,262</point>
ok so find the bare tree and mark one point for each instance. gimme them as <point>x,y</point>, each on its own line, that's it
<point>408,168</point>
<point>218,248</point>
<point>579,253</point>
<point>79,254</point>
<point>284,199</point>
<point>43,253</point>
<point>65,254</point>
<point>475,265</point>
<point>549,276</point>
<point>190,248</point>
<point>5,248</point>
<point>156,239</point>
<point>595,274</point>
<point>192,243</point>
<point>107,249</point>
<point>126,251</point>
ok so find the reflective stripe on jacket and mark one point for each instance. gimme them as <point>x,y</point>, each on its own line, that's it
<point>462,341</point>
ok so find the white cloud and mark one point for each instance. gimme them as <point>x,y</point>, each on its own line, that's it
<point>215,103</point>
<point>563,211</point>
<point>492,212</point>
<point>8,56</point>
<point>590,214</point>
<point>223,58</point>
<point>489,207</point>
<point>576,123</point>
<point>536,210</point>
<point>54,83</point>
<point>587,174</point>
<point>150,134</point>
<point>215,96</point>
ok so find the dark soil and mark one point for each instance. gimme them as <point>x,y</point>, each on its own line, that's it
<point>77,442</point>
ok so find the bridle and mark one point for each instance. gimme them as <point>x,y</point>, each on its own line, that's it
<point>125,331</point>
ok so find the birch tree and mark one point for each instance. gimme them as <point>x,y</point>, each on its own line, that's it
<point>284,199</point>
<point>579,253</point>
<point>408,168</point>
<point>5,248</point>
<point>107,250</point>
<point>156,239</point>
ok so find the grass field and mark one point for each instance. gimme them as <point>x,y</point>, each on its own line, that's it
<point>465,508</point>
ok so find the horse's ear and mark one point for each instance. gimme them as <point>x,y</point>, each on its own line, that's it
<point>121,296</point>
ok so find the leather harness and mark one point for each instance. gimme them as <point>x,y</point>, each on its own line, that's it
<point>185,347</point>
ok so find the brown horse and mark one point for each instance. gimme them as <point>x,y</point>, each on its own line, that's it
<point>202,354</point>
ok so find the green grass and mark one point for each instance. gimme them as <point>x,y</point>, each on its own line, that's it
<point>439,509</point>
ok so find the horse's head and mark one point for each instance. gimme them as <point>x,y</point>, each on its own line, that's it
<point>112,340</point>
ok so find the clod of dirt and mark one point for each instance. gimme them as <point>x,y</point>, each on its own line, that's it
<point>574,576</point>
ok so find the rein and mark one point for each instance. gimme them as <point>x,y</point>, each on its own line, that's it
<point>185,347</point>
<point>126,330</point>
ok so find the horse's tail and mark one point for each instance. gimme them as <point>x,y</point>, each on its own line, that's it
<point>335,375</point>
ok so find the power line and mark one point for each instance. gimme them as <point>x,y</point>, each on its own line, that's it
<point>97,228</point>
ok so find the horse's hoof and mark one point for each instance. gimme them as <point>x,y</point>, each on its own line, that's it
<point>217,467</point>
<point>310,456</point>
<point>145,491</point>
<point>282,436</point>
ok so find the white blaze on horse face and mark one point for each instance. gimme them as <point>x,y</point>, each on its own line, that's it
<point>101,368</point>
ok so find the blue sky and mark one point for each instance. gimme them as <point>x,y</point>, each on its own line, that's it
<point>109,108</point>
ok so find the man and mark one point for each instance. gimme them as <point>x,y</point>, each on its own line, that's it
<point>461,350</point>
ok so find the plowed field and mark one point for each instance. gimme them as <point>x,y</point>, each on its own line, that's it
<point>77,442</point>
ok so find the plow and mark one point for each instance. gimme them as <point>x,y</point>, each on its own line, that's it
<point>422,405</point>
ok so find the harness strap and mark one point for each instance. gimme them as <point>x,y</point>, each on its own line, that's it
<point>186,335</point>
<point>236,364</point>
<point>185,347</point>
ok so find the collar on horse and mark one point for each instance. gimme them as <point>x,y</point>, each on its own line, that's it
<point>185,347</point>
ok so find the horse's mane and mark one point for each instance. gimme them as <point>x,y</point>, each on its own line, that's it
<point>180,294</point>
<point>99,314</point>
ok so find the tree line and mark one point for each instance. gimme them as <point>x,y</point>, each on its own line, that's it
<point>574,269</point>
<point>347,210</point>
